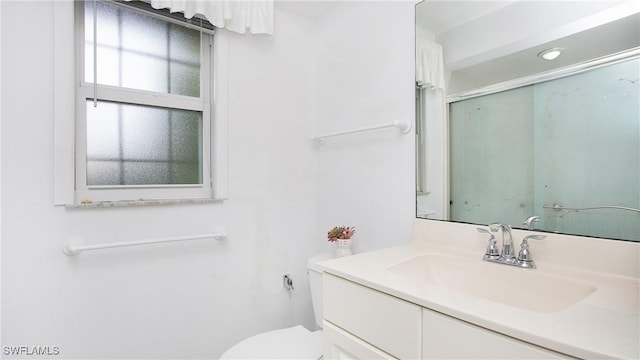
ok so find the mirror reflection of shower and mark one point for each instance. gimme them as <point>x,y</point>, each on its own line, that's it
<point>567,149</point>
<point>486,52</point>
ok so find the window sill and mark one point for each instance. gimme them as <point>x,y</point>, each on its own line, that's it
<point>128,203</point>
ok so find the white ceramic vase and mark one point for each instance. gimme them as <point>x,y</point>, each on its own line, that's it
<point>343,247</point>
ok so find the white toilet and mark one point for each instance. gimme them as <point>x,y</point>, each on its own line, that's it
<point>290,343</point>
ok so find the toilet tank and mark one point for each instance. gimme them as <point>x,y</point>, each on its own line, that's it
<point>315,283</point>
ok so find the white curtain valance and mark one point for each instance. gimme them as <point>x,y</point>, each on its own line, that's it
<point>429,63</point>
<point>233,15</point>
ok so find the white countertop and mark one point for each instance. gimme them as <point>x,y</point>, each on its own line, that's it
<point>605,324</point>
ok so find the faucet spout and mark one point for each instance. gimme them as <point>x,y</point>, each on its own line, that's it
<point>528,223</point>
<point>508,253</point>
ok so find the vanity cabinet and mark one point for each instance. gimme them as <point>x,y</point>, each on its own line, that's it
<point>445,337</point>
<point>385,322</point>
<point>362,323</point>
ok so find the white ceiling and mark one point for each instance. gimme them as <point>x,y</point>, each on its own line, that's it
<point>486,42</point>
<point>437,16</point>
<point>611,38</point>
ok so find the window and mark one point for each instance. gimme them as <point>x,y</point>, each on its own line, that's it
<point>142,105</point>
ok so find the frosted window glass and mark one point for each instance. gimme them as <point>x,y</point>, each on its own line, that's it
<point>141,52</point>
<point>142,173</point>
<point>103,172</point>
<point>184,46</point>
<point>143,34</point>
<point>185,128</point>
<point>144,72</point>
<point>145,133</point>
<point>139,145</point>
<point>103,133</point>
<point>181,79</point>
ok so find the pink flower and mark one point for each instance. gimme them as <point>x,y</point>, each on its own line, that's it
<point>341,232</point>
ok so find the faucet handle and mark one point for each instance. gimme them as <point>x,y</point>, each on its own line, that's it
<point>524,256</point>
<point>492,249</point>
<point>534,237</point>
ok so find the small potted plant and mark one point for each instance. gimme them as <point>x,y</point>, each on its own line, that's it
<point>341,235</point>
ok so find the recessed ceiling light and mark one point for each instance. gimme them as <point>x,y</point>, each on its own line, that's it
<point>550,54</point>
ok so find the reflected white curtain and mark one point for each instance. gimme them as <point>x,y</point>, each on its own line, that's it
<point>233,15</point>
<point>429,63</point>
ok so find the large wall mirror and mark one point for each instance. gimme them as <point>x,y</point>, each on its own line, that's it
<point>530,108</point>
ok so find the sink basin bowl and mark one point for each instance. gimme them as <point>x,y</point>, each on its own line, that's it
<point>522,288</point>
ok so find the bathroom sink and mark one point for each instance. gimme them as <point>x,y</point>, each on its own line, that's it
<point>524,288</point>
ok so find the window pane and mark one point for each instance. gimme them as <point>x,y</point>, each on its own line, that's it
<point>143,173</point>
<point>181,80</point>
<point>103,134</point>
<point>140,71</point>
<point>145,133</point>
<point>103,172</point>
<point>140,145</point>
<point>142,34</point>
<point>141,52</point>
<point>186,127</point>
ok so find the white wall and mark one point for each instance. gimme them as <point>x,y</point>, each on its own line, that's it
<point>352,68</point>
<point>365,77</point>
<point>177,301</point>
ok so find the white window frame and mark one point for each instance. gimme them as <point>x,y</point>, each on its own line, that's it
<point>71,92</point>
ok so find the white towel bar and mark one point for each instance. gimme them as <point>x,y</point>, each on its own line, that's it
<point>75,247</point>
<point>404,128</point>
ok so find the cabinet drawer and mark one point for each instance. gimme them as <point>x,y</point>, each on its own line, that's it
<point>339,344</point>
<point>393,325</point>
<point>449,338</point>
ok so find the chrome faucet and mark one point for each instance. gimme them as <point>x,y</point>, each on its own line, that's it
<point>507,256</point>
<point>528,222</point>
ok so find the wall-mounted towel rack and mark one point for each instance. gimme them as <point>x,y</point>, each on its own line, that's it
<point>559,207</point>
<point>404,128</point>
<point>75,246</point>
